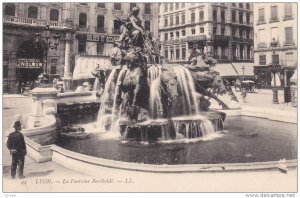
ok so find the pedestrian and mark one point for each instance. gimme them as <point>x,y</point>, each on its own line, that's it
<point>17,147</point>
<point>244,94</point>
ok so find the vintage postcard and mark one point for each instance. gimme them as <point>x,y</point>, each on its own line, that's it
<point>150,97</point>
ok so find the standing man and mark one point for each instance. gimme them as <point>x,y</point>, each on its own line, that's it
<point>17,147</point>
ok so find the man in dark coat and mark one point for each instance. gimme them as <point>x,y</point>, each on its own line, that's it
<point>16,145</point>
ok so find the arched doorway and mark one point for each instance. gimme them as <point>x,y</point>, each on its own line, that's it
<point>29,64</point>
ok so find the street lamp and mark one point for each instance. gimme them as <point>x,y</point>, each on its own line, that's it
<point>274,70</point>
<point>46,44</point>
<point>243,68</point>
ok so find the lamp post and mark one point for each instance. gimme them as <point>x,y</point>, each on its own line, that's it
<point>243,68</point>
<point>274,70</point>
<point>45,41</point>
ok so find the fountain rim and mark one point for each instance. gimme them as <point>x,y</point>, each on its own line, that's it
<point>59,152</point>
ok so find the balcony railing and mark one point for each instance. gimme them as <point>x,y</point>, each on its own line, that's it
<point>262,45</point>
<point>36,22</point>
<point>261,21</point>
<point>287,17</point>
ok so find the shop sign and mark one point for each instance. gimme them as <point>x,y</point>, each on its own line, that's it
<point>97,38</point>
<point>29,63</point>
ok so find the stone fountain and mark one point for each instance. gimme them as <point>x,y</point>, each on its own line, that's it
<point>146,101</point>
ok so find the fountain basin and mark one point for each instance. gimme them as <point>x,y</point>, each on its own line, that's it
<point>237,144</point>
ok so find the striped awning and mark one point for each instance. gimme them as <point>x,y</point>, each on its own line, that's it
<point>235,69</point>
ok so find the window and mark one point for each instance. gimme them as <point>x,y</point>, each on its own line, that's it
<point>101,5</point>
<point>100,48</point>
<point>262,59</point>
<point>233,32</point>
<point>100,24</point>
<point>171,35</point>
<point>193,17</point>
<point>53,66</point>
<point>288,11</point>
<point>215,15</point>
<point>117,6</point>
<point>171,20</point>
<point>233,16</point>
<point>171,6</point>
<point>248,6</point>
<point>275,59</point>
<point>32,12</point>
<point>223,31</point>
<point>10,9</point>
<point>241,15</point>
<point>166,21</point>
<point>166,53</point>
<point>183,32</point>
<point>81,46</point>
<point>177,34</point>
<point>273,13</point>
<point>201,16</point>
<point>233,4</point>
<point>147,25</point>
<point>241,33</point>
<point>223,19</point>
<point>85,4</point>
<point>171,54</point>
<point>54,14</point>
<point>183,19</point>
<point>261,14</point>
<point>166,7</point>
<point>177,53</point>
<point>182,5</point>
<point>82,20</point>
<point>132,5</point>
<point>193,31</point>
<point>183,53</point>
<point>166,36</point>
<point>147,8</point>
<point>288,35</point>
<point>248,34</point>
<point>177,20</point>
<point>289,59</point>
<point>202,30</point>
<point>241,5</point>
<point>177,6</point>
<point>223,52</point>
<point>248,18</point>
<point>214,30</point>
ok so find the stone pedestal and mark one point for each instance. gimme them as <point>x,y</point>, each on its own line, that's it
<point>44,102</point>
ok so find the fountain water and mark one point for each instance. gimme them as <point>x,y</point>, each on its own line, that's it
<point>178,118</point>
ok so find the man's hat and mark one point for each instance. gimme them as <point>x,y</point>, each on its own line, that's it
<point>17,124</point>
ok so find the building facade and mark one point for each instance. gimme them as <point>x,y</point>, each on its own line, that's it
<point>84,30</point>
<point>226,28</point>
<point>275,43</point>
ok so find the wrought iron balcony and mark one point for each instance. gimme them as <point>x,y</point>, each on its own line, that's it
<point>37,22</point>
<point>273,20</point>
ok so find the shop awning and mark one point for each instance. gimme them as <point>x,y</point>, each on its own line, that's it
<point>85,65</point>
<point>234,69</point>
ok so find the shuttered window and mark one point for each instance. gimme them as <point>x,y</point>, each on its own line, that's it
<point>193,17</point>
<point>261,14</point>
<point>262,59</point>
<point>201,16</point>
<point>183,19</point>
<point>273,13</point>
<point>288,12</point>
<point>289,35</point>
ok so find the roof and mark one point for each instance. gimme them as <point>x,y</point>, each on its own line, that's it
<point>85,65</point>
<point>235,69</point>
